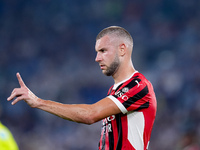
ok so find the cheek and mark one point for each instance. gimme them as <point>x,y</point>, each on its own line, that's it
<point>111,57</point>
<point>108,59</point>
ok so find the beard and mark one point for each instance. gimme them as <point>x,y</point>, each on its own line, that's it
<point>113,67</point>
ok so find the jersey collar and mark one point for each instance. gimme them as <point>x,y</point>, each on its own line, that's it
<point>116,85</point>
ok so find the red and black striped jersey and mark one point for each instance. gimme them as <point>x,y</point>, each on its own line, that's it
<point>131,129</point>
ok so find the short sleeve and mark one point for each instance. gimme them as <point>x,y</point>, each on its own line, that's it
<point>132,96</point>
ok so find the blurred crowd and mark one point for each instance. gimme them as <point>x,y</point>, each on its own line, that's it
<point>51,43</point>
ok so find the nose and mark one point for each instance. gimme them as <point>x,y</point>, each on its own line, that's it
<point>98,57</point>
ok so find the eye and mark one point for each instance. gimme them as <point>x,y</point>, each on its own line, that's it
<point>102,50</point>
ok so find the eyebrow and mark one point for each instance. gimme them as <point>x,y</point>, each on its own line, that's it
<point>101,49</point>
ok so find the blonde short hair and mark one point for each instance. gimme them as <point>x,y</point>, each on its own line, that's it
<point>118,32</point>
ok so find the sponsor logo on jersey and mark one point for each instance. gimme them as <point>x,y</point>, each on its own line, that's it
<point>106,125</point>
<point>125,89</point>
<point>122,94</point>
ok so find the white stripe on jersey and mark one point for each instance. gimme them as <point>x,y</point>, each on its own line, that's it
<point>120,105</point>
<point>136,129</point>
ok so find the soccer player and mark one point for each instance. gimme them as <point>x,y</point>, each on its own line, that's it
<point>127,112</point>
<point>7,141</point>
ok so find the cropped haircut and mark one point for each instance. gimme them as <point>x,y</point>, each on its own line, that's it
<point>118,32</point>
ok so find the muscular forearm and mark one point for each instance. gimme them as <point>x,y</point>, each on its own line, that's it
<point>81,113</point>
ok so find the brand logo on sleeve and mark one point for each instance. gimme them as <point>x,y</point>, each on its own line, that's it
<point>138,84</point>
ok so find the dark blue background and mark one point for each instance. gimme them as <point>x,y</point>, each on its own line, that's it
<point>51,43</point>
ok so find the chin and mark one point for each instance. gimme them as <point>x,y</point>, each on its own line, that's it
<point>107,73</point>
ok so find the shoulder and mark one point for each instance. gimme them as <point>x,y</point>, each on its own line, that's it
<point>135,81</point>
<point>4,132</point>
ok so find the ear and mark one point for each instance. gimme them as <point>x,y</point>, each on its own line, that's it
<point>122,49</point>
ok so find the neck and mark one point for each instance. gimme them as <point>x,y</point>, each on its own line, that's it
<point>123,73</point>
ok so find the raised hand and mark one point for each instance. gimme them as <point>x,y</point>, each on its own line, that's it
<point>23,93</point>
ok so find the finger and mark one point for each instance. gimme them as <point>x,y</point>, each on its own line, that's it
<point>21,82</point>
<point>17,100</point>
<point>16,92</point>
<point>12,96</point>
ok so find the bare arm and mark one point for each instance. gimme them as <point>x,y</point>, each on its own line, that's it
<point>81,113</point>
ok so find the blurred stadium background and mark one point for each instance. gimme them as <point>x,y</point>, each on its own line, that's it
<point>51,43</point>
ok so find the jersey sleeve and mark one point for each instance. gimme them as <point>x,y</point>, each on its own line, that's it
<point>134,96</point>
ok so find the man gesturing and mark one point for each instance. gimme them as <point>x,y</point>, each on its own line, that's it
<point>129,109</point>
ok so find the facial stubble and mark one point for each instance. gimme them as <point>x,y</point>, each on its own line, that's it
<point>111,70</point>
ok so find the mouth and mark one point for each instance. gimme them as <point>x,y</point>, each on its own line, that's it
<point>102,67</point>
